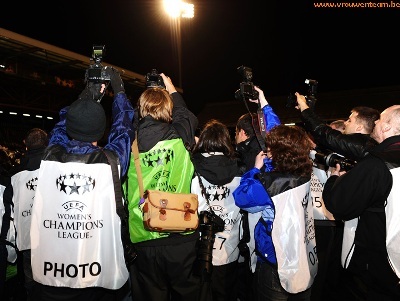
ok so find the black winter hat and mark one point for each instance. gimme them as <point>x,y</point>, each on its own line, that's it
<point>86,120</point>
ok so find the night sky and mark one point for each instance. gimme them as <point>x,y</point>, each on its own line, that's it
<point>283,42</point>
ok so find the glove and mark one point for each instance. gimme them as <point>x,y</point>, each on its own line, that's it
<point>116,82</point>
<point>94,89</point>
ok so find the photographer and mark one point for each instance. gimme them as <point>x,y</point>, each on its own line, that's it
<point>166,129</point>
<point>280,194</point>
<point>369,194</point>
<point>354,142</point>
<point>76,246</point>
<point>248,140</point>
<point>217,171</point>
<point>247,143</point>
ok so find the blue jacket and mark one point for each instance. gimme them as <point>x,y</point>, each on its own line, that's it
<point>119,139</point>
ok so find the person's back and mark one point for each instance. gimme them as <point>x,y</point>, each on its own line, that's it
<point>76,247</point>
<point>166,129</point>
<point>367,195</point>
<point>282,196</point>
<point>217,172</point>
<point>24,179</point>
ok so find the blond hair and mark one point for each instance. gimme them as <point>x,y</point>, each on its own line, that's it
<point>157,103</point>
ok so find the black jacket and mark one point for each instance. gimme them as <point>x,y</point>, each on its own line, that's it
<point>362,192</point>
<point>30,161</point>
<point>351,146</point>
<point>247,151</point>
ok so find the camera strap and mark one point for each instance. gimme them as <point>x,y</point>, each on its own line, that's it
<point>258,122</point>
<point>259,125</point>
<point>203,191</point>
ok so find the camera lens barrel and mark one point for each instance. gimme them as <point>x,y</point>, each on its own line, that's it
<point>345,164</point>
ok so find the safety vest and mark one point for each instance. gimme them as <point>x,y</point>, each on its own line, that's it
<point>223,204</point>
<point>24,185</point>
<point>165,167</point>
<point>392,212</point>
<point>75,230</point>
<point>293,236</point>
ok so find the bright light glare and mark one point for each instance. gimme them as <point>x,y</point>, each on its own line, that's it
<point>177,8</point>
<point>187,10</point>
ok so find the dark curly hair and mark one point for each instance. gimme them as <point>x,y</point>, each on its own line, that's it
<point>290,148</point>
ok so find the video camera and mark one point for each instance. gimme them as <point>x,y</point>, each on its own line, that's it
<point>311,95</point>
<point>96,72</point>
<point>154,80</point>
<point>331,159</point>
<point>246,90</point>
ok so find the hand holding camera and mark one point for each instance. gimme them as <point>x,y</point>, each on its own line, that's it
<point>261,97</point>
<point>154,80</point>
<point>115,78</point>
<point>301,102</point>
<point>293,100</point>
<point>168,83</point>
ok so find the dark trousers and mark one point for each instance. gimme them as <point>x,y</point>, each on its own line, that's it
<point>245,284</point>
<point>224,282</point>
<point>328,236</point>
<point>269,287</point>
<point>164,273</point>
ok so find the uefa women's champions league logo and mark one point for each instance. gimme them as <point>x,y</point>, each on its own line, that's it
<point>158,157</point>
<point>217,193</point>
<point>75,183</point>
<point>32,184</point>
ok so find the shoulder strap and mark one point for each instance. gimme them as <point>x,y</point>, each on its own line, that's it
<point>121,208</point>
<point>117,187</point>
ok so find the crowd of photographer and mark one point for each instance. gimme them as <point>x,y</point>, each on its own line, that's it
<point>274,206</point>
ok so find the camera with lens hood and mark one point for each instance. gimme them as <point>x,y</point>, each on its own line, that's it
<point>310,98</point>
<point>96,73</point>
<point>209,224</point>
<point>331,159</point>
<point>154,80</point>
<point>246,90</point>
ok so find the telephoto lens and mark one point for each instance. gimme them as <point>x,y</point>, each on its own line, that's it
<point>210,223</point>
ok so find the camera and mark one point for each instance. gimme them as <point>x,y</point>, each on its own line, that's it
<point>96,73</point>
<point>311,95</point>
<point>330,160</point>
<point>246,90</point>
<point>209,224</point>
<point>154,80</point>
